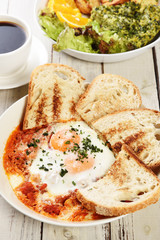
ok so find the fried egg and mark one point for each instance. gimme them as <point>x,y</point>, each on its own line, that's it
<point>73,158</point>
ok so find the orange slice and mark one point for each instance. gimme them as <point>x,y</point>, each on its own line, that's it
<point>71,3</point>
<point>72,20</point>
<point>64,9</point>
<point>61,2</point>
<point>52,3</point>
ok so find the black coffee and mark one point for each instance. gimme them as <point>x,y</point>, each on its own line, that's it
<point>12,37</point>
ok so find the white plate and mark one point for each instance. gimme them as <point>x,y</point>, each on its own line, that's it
<point>93,57</point>
<point>38,56</point>
<point>6,127</point>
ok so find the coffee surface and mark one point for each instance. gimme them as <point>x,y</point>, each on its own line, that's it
<point>12,36</point>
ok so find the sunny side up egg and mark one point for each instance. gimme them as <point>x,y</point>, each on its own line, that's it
<point>73,158</point>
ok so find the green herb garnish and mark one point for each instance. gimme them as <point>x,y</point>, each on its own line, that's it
<point>45,134</point>
<point>73,183</point>
<point>63,172</point>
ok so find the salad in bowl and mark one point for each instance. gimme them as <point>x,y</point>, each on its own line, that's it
<point>107,29</point>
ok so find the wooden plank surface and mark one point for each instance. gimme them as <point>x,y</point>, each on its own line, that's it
<point>144,72</point>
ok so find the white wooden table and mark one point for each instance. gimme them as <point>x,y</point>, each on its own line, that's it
<point>144,71</point>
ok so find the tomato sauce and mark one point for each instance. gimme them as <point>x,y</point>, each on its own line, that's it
<point>19,151</point>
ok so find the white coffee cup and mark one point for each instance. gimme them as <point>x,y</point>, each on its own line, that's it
<point>15,60</point>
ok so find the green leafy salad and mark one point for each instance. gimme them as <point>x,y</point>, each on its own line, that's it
<point>112,29</point>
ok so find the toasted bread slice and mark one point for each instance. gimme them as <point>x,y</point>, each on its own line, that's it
<point>127,187</point>
<point>54,89</point>
<point>106,94</point>
<point>140,129</point>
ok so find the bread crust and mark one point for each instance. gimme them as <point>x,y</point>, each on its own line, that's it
<point>85,98</point>
<point>126,110</point>
<point>127,207</point>
<point>57,101</point>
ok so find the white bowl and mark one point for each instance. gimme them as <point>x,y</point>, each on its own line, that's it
<point>93,57</point>
<point>15,112</point>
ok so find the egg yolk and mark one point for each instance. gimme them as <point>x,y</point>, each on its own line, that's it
<point>64,140</point>
<point>75,166</point>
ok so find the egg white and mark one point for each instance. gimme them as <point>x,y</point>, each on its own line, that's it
<point>49,162</point>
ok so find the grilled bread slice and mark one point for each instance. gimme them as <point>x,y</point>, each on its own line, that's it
<point>127,187</point>
<point>106,94</point>
<point>140,129</point>
<point>54,89</point>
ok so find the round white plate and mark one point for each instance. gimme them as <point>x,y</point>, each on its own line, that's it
<point>94,57</point>
<point>6,127</point>
<point>38,56</point>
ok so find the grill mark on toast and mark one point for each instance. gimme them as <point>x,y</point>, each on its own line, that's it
<point>129,140</point>
<point>57,102</point>
<point>120,128</point>
<point>72,108</point>
<point>113,173</point>
<point>140,149</point>
<point>117,147</point>
<point>41,116</point>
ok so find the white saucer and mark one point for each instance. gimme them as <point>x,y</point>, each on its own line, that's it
<point>38,56</point>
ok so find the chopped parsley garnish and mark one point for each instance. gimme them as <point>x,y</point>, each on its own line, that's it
<point>106,143</point>
<point>87,145</point>
<point>28,152</point>
<point>67,142</point>
<point>63,172</point>
<point>34,143</point>
<point>50,164</point>
<point>73,183</point>
<point>83,151</point>
<point>41,159</point>
<point>44,168</point>
<point>45,134</point>
<point>43,151</point>
<point>74,129</point>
